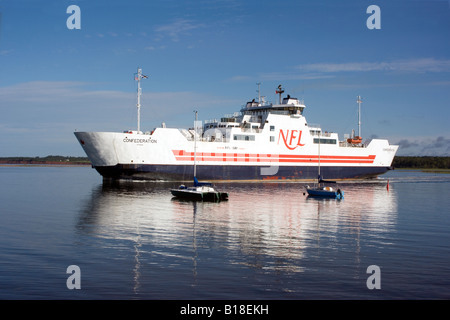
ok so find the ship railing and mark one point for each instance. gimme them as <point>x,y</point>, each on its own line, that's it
<point>251,130</point>
<point>217,134</point>
<point>232,115</point>
<point>248,118</point>
<point>214,139</point>
<point>283,112</point>
<point>321,134</point>
<point>209,139</point>
<point>353,145</point>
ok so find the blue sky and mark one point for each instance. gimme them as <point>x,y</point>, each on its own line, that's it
<point>209,55</point>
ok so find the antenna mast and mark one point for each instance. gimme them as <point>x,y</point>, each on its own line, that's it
<point>195,144</point>
<point>138,76</point>
<point>259,92</point>
<point>359,101</point>
<point>280,91</point>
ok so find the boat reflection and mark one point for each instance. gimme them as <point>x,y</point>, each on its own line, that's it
<point>268,227</point>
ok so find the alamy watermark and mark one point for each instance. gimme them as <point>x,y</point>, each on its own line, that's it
<point>374,21</point>
<point>74,280</point>
<point>214,134</point>
<point>374,280</point>
<point>74,20</point>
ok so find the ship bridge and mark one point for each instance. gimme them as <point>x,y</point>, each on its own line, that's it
<point>287,106</point>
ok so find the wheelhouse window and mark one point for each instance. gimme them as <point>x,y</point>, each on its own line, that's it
<point>325,141</point>
<point>244,137</point>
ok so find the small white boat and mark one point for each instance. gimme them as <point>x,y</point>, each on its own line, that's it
<point>199,192</point>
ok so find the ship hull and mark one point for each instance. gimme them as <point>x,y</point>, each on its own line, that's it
<point>233,173</point>
<point>167,156</point>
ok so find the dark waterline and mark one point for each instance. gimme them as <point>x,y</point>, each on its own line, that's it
<point>131,240</point>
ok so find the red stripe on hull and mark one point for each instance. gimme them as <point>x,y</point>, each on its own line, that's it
<point>182,155</point>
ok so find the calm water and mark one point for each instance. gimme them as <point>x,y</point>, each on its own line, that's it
<point>269,241</point>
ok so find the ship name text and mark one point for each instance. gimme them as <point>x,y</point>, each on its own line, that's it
<point>135,140</point>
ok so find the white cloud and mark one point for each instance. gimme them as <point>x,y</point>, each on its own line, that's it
<point>241,78</point>
<point>5,52</point>
<point>280,76</point>
<point>177,29</point>
<point>411,65</point>
<point>328,70</point>
<point>153,48</point>
<point>423,146</point>
<point>39,91</point>
<point>293,76</point>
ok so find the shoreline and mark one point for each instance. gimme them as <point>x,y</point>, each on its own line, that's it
<point>44,164</point>
<point>46,161</point>
<point>33,162</point>
<point>430,170</point>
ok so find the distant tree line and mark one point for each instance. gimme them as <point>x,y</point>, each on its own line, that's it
<point>422,162</point>
<point>47,159</point>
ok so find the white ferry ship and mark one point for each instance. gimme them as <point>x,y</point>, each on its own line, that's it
<point>263,141</point>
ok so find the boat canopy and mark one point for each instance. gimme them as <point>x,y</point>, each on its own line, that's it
<point>200,184</point>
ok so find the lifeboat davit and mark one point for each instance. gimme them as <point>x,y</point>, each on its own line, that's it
<point>354,140</point>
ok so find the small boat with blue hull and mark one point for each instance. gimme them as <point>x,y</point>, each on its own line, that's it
<point>323,190</point>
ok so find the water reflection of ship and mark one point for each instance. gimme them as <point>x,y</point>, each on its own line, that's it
<point>105,215</point>
<point>274,227</point>
<point>369,206</point>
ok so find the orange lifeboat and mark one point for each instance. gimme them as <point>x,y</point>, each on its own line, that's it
<point>354,140</point>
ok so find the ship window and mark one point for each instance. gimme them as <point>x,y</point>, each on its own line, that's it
<point>272,139</point>
<point>325,141</point>
<point>272,128</point>
<point>244,137</point>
